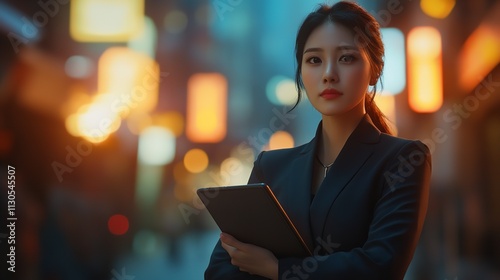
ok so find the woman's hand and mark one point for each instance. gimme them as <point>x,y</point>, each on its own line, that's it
<point>250,258</point>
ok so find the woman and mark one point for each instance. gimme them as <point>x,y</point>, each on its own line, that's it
<point>356,194</point>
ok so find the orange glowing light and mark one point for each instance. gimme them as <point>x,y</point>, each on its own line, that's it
<point>479,55</point>
<point>97,121</point>
<point>281,140</point>
<point>387,104</point>
<point>437,8</point>
<point>196,161</point>
<point>425,77</point>
<point>132,78</point>
<point>206,108</point>
<point>71,124</point>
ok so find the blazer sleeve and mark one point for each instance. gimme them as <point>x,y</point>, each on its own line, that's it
<point>220,266</point>
<point>394,230</point>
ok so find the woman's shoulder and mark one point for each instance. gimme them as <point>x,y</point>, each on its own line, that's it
<point>392,142</point>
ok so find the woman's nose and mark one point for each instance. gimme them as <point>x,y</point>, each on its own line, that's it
<point>330,73</point>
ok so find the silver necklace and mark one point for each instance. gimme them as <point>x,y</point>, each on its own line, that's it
<point>325,167</point>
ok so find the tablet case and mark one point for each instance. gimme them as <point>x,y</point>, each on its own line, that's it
<point>252,214</point>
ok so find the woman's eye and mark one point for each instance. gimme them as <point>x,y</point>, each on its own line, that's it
<point>347,58</point>
<point>313,60</point>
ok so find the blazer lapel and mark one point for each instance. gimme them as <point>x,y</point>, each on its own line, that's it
<point>353,155</point>
<point>299,197</point>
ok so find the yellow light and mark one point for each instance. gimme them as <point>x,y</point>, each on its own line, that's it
<point>281,140</point>
<point>437,8</point>
<point>156,146</point>
<point>94,118</point>
<point>196,160</point>
<point>171,120</point>
<point>71,125</point>
<point>95,121</point>
<point>206,108</point>
<point>479,55</point>
<point>106,20</point>
<point>425,83</point>
<point>132,78</point>
<point>387,104</point>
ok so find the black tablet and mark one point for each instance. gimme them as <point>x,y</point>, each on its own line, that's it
<point>252,214</point>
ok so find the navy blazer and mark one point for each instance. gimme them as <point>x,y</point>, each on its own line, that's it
<point>364,221</point>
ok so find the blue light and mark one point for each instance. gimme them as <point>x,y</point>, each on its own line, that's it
<point>394,76</point>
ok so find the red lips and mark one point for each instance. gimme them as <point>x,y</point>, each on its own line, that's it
<point>330,93</point>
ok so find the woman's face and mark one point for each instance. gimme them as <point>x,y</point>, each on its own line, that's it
<point>335,71</point>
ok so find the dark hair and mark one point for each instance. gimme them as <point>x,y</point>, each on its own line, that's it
<point>366,35</point>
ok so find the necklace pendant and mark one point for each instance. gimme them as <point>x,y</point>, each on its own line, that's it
<point>326,170</point>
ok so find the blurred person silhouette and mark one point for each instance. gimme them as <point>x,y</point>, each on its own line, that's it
<point>357,194</point>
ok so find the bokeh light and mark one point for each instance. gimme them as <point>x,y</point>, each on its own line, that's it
<point>146,243</point>
<point>156,146</point>
<point>146,40</point>
<point>132,78</point>
<point>437,8</point>
<point>281,90</point>
<point>281,140</point>
<point>425,85</point>
<point>137,122</point>
<point>97,121</point>
<point>79,66</point>
<point>118,224</point>
<point>207,108</point>
<point>105,21</point>
<point>393,80</point>
<point>175,21</point>
<point>196,160</point>
<point>479,55</point>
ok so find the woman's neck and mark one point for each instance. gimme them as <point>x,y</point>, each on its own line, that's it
<point>335,131</point>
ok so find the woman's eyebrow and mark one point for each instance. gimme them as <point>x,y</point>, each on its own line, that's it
<point>340,48</point>
<point>313,50</point>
